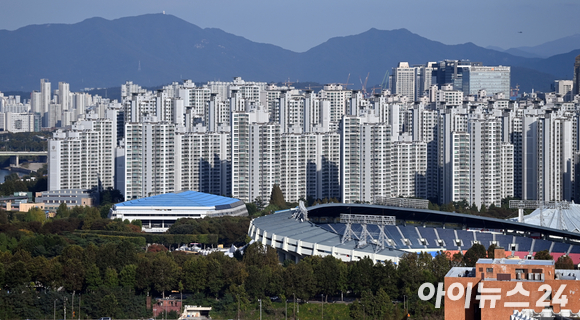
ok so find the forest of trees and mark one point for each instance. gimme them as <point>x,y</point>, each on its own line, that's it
<point>112,267</point>
<point>108,268</point>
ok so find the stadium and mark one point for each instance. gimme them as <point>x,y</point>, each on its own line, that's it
<point>158,213</point>
<point>353,231</point>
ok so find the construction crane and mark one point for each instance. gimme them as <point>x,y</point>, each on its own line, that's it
<point>385,80</point>
<point>364,86</point>
<point>346,84</point>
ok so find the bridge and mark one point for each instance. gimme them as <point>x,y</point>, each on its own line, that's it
<point>14,155</point>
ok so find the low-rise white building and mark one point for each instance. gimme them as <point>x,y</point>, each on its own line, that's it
<point>160,212</point>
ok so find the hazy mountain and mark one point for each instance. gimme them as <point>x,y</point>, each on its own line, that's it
<point>521,53</point>
<point>561,65</point>
<point>377,51</point>
<point>148,49</point>
<point>550,48</point>
<point>155,49</point>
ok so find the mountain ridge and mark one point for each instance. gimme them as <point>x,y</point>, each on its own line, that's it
<point>155,48</point>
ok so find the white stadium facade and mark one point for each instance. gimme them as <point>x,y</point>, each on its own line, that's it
<point>353,231</point>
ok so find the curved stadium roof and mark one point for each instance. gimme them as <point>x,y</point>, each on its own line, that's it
<point>411,214</point>
<point>183,199</point>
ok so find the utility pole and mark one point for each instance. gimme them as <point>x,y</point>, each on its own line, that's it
<point>260,308</point>
<point>65,308</point>
<point>55,309</point>
<point>322,300</point>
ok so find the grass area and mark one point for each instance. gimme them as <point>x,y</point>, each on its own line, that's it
<point>307,311</point>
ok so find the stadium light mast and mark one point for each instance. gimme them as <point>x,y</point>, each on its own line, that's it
<point>539,204</point>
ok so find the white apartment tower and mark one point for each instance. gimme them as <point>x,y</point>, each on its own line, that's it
<point>45,98</point>
<point>255,155</point>
<point>454,158</point>
<point>338,97</point>
<point>365,152</point>
<point>149,158</point>
<point>486,161</point>
<point>403,80</point>
<point>83,158</point>
<point>204,163</point>
<point>409,168</point>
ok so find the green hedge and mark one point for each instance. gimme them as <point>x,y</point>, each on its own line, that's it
<point>161,238</point>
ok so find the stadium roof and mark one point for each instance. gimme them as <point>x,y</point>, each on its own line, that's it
<point>283,225</point>
<point>420,215</point>
<point>183,199</point>
<point>563,219</point>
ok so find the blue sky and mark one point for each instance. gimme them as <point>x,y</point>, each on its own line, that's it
<point>301,24</point>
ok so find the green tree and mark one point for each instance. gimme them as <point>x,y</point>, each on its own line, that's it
<point>3,216</point>
<point>483,209</point>
<point>194,274</point>
<point>93,277</point>
<point>328,275</point>
<point>111,278</point>
<point>543,255</point>
<point>2,275</point>
<point>73,274</point>
<point>127,276</point>
<point>441,265</point>
<point>383,306</point>
<point>361,275</point>
<point>109,306</point>
<point>259,255</point>
<point>166,273</point>
<point>299,280</point>
<point>277,197</point>
<point>491,252</point>
<point>252,209</point>
<point>62,211</point>
<point>137,223</point>
<point>564,262</point>
<point>476,252</point>
<point>214,279</point>
<point>35,214</point>
<point>16,275</point>
<point>92,215</point>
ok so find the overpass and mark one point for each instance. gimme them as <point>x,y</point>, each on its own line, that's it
<point>14,155</point>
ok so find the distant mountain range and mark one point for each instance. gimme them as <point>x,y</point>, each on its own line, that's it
<point>545,50</point>
<point>156,49</point>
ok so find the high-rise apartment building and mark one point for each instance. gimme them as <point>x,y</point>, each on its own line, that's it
<point>83,158</point>
<point>255,155</point>
<point>403,80</point>
<point>45,99</point>
<point>64,95</point>
<point>363,176</point>
<point>485,161</point>
<point>409,168</point>
<point>204,162</point>
<point>564,88</point>
<point>576,84</point>
<point>149,158</point>
<point>338,97</point>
